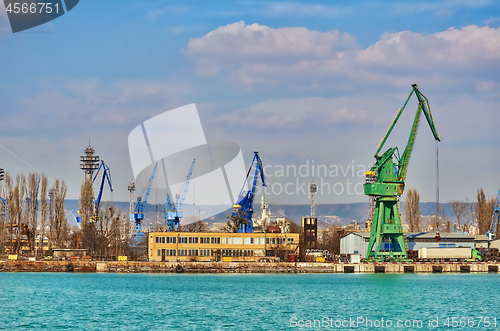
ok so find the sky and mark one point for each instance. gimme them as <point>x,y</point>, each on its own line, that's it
<point>311,85</point>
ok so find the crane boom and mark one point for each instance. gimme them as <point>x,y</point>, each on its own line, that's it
<point>106,175</point>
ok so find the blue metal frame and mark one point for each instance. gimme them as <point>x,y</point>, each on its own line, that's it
<point>245,198</point>
<point>138,214</point>
<point>174,211</point>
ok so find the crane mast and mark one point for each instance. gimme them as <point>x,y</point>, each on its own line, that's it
<point>244,206</point>
<point>174,211</point>
<point>491,233</point>
<point>385,182</point>
<point>138,214</point>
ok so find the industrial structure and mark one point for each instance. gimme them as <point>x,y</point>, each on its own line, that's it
<point>137,215</point>
<point>173,210</point>
<point>89,162</point>
<point>267,219</point>
<point>106,175</point>
<point>385,182</point>
<point>310,223</point>
<point>244,206</point>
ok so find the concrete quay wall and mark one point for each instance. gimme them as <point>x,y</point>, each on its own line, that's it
<point>241,267</point>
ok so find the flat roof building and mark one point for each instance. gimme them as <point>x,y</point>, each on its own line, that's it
<point>215,246</point>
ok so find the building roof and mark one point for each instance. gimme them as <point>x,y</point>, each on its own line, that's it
<point>481,237</point>
<point>443,235</point>
<point>365,235</point>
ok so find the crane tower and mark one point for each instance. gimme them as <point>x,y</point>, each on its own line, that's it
<point>385,182</point>
<point>89,162</point>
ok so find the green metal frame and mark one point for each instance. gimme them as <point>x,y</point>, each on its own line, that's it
<point>386,182</point>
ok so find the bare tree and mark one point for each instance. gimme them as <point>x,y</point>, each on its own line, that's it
<point>330,241</point>
<point>15,200</point>
<point>3,220</point>
<point>412,210</point>
<point>43,212</point>
<point>235,222</point>
<point>32,198</point>
<point>483,212</point>
<point>88,235</point>
<point>198,226</point>
<point>58,225</point>
<point>460,208</point>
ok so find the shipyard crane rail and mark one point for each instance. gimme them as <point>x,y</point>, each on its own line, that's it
<point>244,206</point>
<point>138,214</point>
<point>491,233</point>
<point>173,210</point>
<point>385,182</point>
<point>105,175</point>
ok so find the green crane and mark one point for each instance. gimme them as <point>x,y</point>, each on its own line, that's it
<point>385,182</point>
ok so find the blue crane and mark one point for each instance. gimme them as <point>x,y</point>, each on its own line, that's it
<point>138,214</point>
<point>494,219</point>
<point>174,211</point>
<point>105,175</point>
<point>244,205</point>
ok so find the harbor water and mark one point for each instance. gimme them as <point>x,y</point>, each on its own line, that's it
<point>80,301</point>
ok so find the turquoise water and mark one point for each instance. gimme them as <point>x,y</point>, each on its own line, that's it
<point>72,301</point>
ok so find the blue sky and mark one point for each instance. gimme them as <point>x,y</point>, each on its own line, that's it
<point>312,82</point>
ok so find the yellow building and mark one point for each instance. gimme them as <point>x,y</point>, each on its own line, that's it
<point>212,246</point>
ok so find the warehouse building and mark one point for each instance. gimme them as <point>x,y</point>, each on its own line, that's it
<point>211,246</point>
<point>357,242</point>
<point>439,239</point>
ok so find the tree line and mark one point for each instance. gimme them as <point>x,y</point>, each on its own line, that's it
<point>467,214</point>
<point>33,220</point>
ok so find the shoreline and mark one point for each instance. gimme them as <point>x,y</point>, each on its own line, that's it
<point>247,267</point>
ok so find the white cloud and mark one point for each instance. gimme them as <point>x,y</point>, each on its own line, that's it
<point>258,56</point>
<point>301,113</point>
<point>231,44</point>
<point>471,47</point>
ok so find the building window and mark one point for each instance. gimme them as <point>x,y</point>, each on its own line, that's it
<point>248,252</point>
<point>226,253</point>
<point>183,240</point>
<point>170,252</point>
<point>290,240</point>
<point>151,240</point>
<point>183,252</point>
<point>159,252</point>
<point>237,252</point>
<point>226,240</point>
<point>205,252</point>
<point>160,240</point>
<point>215,240</point>
<point>193,252</point>
<point>238,241</point>
<point>193,240</point>
<point>204,240</point>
